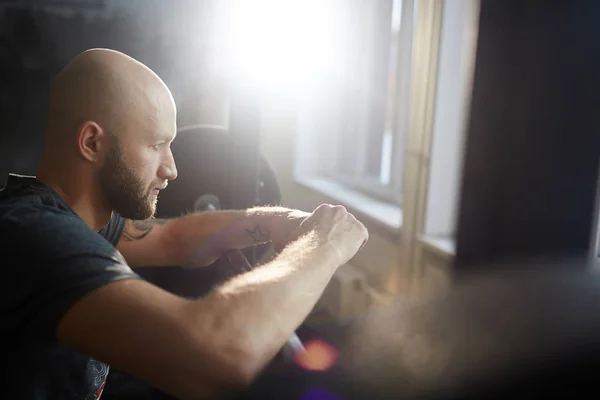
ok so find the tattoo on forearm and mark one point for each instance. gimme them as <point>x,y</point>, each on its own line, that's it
<point>137,230</point>
<point>258,235</point>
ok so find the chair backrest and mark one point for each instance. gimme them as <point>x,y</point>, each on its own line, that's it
<point>205,160</point>
<point>18,155</point>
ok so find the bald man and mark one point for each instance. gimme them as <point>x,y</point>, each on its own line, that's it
<point>70,302</point>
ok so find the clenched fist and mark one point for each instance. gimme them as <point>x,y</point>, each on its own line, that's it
<point>335,229</point>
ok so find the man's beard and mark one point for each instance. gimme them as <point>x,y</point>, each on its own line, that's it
<point>123,189</point>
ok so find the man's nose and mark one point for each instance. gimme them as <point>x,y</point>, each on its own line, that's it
<point>168,169</point>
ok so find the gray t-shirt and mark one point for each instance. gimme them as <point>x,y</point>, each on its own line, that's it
<point>51,259</point>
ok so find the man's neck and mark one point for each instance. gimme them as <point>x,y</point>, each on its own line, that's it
<point>81,197</point>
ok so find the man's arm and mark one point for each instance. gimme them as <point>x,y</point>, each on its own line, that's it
<point>200,348</point>
<point>198,239</point>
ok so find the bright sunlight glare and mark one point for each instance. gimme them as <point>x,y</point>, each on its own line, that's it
<point>278,43</point>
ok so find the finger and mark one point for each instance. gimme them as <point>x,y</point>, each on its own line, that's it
<point>322,210</point>
<point>307,223</point>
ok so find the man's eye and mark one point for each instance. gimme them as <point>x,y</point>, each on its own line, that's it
<point>158,146</point>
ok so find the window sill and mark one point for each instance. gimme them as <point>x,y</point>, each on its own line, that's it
<point>444,246</point>
<point>386,215</point>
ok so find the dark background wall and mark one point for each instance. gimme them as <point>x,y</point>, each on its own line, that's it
<point>37,38</point>
<point>533,140</point>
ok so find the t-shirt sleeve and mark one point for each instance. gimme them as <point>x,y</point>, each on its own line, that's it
<point>113,231</point>
<point>64,261</point>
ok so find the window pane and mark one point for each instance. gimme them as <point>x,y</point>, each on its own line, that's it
<point>350,134</point>
<point>358,26</point>
<point>380,145</point>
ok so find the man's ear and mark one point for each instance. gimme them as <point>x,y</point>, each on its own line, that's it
<point>92,141</point>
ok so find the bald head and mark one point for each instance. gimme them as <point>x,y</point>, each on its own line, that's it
<point>110,124</point>
<point>108,88</point>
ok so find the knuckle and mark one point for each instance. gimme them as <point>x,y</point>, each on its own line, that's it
<point>322,209</point>
<point>340,210</point>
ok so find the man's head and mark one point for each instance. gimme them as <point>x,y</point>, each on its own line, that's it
<point>114,119</point>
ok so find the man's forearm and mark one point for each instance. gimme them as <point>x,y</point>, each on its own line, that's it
<point>202,237</point>
<point>259,310</point>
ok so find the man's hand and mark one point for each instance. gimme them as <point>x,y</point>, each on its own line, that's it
<point>336,229</point>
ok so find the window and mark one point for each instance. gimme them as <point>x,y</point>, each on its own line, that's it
<point>362,146</point>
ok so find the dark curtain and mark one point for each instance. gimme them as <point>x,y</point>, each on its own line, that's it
<point>533,140</point>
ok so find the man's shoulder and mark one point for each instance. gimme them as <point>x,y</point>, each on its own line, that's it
<point>43,226</point>
<point>34,214</point>
<point>28,208</point>
<point>24,197</point>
